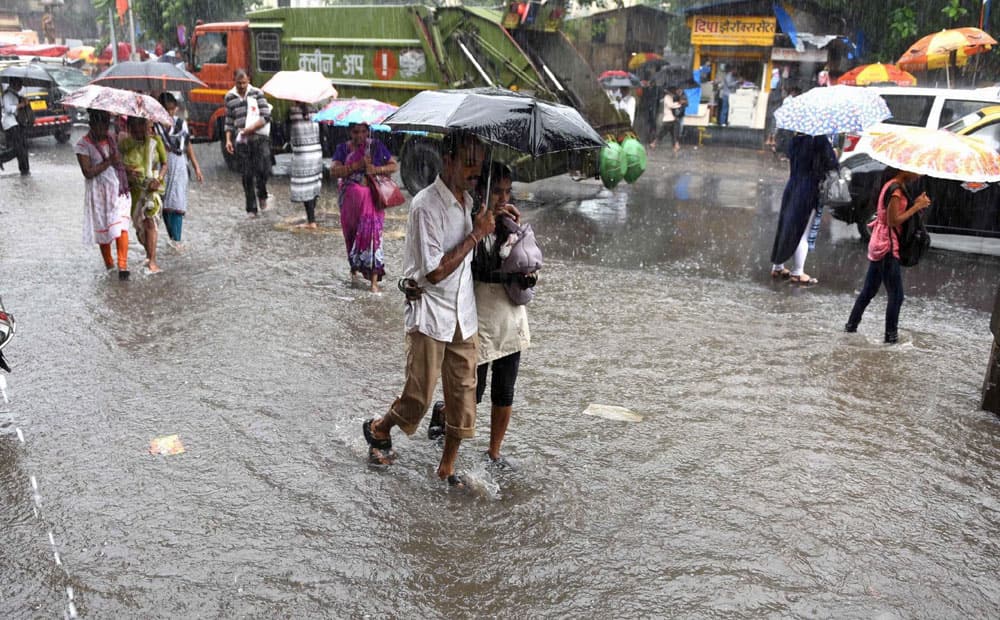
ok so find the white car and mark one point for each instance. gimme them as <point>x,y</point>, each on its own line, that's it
<point>933,108</point>
<point>914,106</point>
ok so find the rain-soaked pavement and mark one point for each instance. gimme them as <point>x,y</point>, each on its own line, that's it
<point>781,469</point>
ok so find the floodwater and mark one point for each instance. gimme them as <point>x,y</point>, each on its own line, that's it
<point>781,467</point>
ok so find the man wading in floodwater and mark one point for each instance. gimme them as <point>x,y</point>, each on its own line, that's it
<point>441,324</point>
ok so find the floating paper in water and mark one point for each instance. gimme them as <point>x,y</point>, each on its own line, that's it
<point>611,412</point>
<point>168,445</point>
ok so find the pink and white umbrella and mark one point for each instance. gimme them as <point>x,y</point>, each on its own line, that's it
<point>118,101</point>
<point>305,86</point>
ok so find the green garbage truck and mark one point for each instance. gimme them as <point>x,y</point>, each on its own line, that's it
<point>390,53</point>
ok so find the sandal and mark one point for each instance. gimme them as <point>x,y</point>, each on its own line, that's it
<point>435,430</point>
<point>784,274</point>
<point>804,280</point>
<point>500,463</point>
<point>379,450</point>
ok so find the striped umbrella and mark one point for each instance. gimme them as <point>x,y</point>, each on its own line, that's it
<point>938,153</point>
<point>832,109</point>
<point>877,74</point>
<point>935,50</point>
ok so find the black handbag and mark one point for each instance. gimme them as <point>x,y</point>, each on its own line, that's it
<point>25,116</point>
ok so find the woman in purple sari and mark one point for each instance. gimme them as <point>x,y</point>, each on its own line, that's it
<point>360,219</point>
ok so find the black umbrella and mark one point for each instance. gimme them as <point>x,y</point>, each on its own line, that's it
<point>148,77</point>
<point>30,75</point>
<point>499,117</point>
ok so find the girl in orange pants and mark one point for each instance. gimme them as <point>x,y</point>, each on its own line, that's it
<point>107,204</point>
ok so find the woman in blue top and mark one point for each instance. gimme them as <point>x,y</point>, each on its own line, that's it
<point>360,219</point>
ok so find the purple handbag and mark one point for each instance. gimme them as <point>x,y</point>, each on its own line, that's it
<point>521,256</point>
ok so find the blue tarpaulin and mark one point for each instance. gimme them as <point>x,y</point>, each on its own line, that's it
<point>787,25</point>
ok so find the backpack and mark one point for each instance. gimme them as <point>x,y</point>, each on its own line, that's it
<point>912,235</point>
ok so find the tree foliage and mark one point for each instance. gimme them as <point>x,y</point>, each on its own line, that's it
<point>158,19</point>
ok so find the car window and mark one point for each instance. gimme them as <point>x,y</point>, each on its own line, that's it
<point>909,109</point>
<point>957,108</point>
<point>966,121</point>
<point>988,133</point>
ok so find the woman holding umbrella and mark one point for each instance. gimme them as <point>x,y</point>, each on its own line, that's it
<point>894,207</point>
<point>307,159</point>
<point>361,221</point>
<point>106,202</point>
<point>303,89</point>
<point>809,159</point>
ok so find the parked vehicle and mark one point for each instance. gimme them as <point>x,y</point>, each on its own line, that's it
<point>50,117</point>
<point>390,53</point>
<point>67,80</point>
<point>957,207</point>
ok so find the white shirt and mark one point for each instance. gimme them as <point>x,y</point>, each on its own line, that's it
<point>627,105</point>
<point>10,101</point>
<point>437,224</point>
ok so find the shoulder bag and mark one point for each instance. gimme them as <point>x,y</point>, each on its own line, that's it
<point>24,116</point>
<point>385,192</point>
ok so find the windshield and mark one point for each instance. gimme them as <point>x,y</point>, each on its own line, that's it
<point>69,78</point>
<point>210,49</point>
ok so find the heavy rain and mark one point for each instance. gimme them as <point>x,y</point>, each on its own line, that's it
<point>700,428</point>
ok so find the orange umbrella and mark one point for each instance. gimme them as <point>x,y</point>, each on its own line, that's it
<point>637,60</point>
<point>935,50</point>
<point>877,74</point>
<point>84,52</point>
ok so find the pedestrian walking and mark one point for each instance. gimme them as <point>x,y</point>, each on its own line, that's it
<point>894,207</point>
<point>107,204</point>
<point>441,324</point>
<point>503,325</point>
<point>809,159</point>
<point>673,118</point>
<point>145,161</point>
<point>17,143</point>
<point>307,159</point>
<point>180,151</point>
<point>248,131</point>
<point>360,220</point>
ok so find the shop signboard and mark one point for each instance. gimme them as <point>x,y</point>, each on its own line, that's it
<point>726,30</point>
<point>785,54</point>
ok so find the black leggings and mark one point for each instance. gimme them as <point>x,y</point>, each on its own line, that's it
<point>502,384</point>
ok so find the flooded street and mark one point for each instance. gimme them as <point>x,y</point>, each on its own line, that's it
<point>782,468</point>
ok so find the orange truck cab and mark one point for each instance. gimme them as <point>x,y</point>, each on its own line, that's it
<point>218,50</point>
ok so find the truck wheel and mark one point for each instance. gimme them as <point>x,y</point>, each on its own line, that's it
<point>220,132</point>
<point>61,136</point>
<point>420,164</point>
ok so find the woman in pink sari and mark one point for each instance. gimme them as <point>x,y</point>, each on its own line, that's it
<point>360,219</point>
